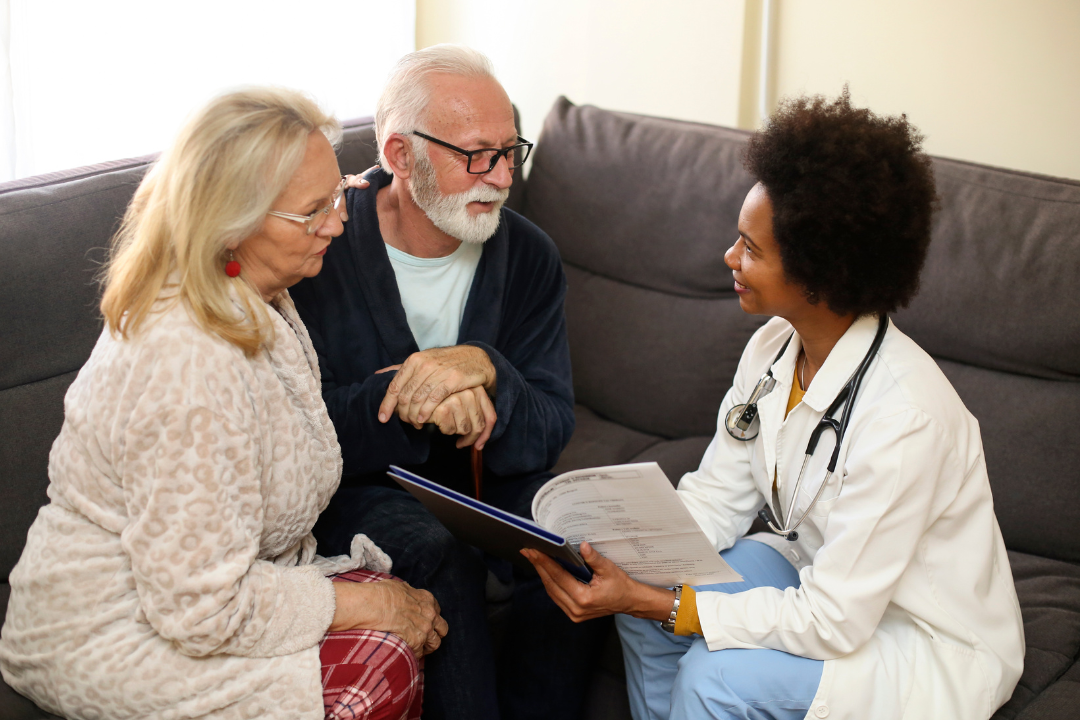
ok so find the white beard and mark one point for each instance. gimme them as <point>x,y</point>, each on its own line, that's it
<point>450,213</point>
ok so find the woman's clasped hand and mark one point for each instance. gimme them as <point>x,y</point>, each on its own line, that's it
<point>393,606</point>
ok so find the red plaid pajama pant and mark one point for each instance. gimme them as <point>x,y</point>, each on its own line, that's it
<point>369,674</point>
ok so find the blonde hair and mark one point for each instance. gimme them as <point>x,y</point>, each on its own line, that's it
<point>402,106</point>
<point>212,188</point>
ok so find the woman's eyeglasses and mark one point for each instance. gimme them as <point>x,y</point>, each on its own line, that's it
<point>315,220</point>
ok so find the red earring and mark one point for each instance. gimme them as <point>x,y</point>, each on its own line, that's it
<point>232,268</point>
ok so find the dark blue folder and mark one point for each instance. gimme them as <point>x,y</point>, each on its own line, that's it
<point>494,531</point>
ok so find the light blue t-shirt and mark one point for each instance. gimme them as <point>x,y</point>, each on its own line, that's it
<point>434,292</point>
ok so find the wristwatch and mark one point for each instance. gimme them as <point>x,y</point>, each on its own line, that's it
<point>669,624</point>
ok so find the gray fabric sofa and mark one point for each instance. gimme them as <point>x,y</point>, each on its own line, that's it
<point>642,210</point>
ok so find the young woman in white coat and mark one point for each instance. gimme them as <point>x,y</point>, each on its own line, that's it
<point>173,573</point>
<point>884,590</point>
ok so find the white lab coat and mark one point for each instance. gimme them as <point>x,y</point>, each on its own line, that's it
<point>906,590</point>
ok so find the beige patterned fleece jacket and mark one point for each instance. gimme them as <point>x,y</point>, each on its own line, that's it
<point>173,574</point>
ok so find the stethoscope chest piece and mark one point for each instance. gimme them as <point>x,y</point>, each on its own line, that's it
<point>742,422</point>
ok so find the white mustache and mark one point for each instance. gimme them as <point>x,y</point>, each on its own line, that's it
<point>481,194</point>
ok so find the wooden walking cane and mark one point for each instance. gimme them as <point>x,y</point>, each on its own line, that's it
<point>477,459</point>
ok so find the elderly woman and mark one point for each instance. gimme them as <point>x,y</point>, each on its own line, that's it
<point>886,591</point>
<point>173,574</point>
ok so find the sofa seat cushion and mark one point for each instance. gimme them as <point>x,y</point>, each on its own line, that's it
<point>598,441</point>
<point>1049,593</point>
<point>1060,701</point>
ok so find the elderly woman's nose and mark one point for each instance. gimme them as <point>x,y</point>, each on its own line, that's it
<point>334,224</point>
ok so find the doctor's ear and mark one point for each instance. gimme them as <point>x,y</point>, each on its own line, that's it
<point>398,155</point>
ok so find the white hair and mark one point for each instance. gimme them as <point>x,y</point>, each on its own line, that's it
<point>402,106</point>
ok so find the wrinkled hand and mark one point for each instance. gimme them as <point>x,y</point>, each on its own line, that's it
<point>429,377</point>
<point>391,606</point>
<point>610,591</point>
<point>469,413</point>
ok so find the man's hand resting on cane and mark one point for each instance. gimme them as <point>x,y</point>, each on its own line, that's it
<point>449,387</point>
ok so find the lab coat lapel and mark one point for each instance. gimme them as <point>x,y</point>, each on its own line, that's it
<point>374,272</point>
<point>827,384</point>
<point>845,357</point>
<point>483,309</point>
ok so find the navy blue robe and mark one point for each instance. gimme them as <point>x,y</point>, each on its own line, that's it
<point>514,312</point>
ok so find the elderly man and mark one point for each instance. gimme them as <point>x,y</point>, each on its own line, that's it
<point>438,321</point>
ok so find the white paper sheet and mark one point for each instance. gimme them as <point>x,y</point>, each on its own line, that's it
<point>632,515</point>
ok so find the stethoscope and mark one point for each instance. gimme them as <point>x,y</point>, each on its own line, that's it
<point>743,424</point>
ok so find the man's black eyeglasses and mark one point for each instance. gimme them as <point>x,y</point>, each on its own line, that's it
<point>484,160</point>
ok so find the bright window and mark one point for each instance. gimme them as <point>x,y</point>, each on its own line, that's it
<point>83,82</point>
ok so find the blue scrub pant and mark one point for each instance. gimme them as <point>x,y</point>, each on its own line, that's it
<point>670,676</point>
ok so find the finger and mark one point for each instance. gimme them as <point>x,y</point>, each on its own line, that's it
<point>442,419</point>
<point>416,391</point>
<point>403,413</point>
<point>441,626</point>
<point>462,422</point>
<point>554,590</point>
<point>432,642</point>
<point>388,369</point>
<point>356,181</point>
<point>454,415</point>
<point>490,418</point>
<point>600,565</point>
<point>415,641</point>
<point>437,387</point>
<point>389,403</point>
<point>393,392</point>
<point>476,418</point>
<point>547,567</point>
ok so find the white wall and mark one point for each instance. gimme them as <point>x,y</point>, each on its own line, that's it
<point>679,58</point>
<point>992,81</point>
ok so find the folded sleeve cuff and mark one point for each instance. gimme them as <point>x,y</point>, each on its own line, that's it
<point>686,620</point>
<point>303,611</point>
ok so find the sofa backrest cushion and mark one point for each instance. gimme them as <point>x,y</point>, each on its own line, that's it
<point>642,210</point>
<point>54,234</point>
<point>53,239</point>
<point>999,309</point>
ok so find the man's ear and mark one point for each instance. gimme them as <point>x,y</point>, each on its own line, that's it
<point>398,154</point>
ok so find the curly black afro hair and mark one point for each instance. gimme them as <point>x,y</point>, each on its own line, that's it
<point>852,196</point>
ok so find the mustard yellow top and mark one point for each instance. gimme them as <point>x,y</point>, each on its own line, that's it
<point>686,620</point>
